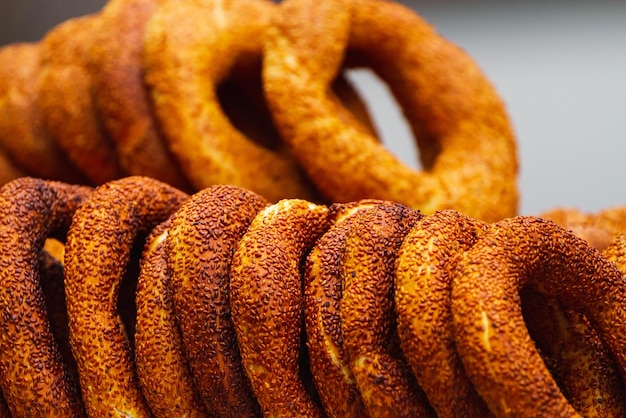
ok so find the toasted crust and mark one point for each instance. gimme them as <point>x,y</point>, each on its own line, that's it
<point>615,252</point>
<point>425,268</point>
<point>21,134</point>
<point>66,101</point>
<point>383,377</point>
<point>190,47</point>
<point>97,252</point>
<point>120,96</point>
<point>599,228</point>
<point>34,378</point>
<point>267,304</point>
<point>161,361</point>
<point>466,142</point>
<point>573,352</point>
<point>323,284</point>
<point>491,337</point>
<point>204,234</point>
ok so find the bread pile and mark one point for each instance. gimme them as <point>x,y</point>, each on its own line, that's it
<point>198,219</point>
<point>224,304</point>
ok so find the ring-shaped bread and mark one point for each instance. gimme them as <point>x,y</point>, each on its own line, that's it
<point>21,133</point>
<point>615,252</point>
<point>381,374</point>
<point>492,339</point>
<point>189,49</point>
<point>467,145</point>
<point>423,286</point>
<point>97,252</point>
<point>204,233</point>
<point>161,360</point>
<point>599,228</point>
<point>575,356</point>
<point>267,304</point>
<point>65,97</point>
<point>330,368</point>
<point>53,285</point>
<point>35,380</point>
<point>120,95</point>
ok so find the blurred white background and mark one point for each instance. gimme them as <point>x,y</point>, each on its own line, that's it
<point>559,65</point>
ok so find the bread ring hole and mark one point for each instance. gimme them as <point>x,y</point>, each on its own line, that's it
<point>52,284</point>
<point>126,303</point>
<point>565,340</point>
<point>306,375</point>
<point>393,128</point>
<point>242,101</point>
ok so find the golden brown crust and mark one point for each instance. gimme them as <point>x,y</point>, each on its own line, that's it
<point>97,252</point>
<point>115,64</point>
<point>425,268</point>
<point>66,102</point>
<point>615,252</point>
<point>242,99</point>
<point>329,366</point>
<point>491,336</point>
<point>267,304</point>
<point>160,358</point>
<point>469,149</point>
<point>34,379</point>
<point>564,215</point>
<point>21,133</point>
<point>599,228</point>
<point>190,47</point>
<point>613,218</point>
<point>383,377</point>
<point>203,236</point>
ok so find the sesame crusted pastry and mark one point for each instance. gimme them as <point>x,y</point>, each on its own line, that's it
<point>492,339</point>
<point>22,135</point>
<point>570,347</point>
<point>323,283</point>
<point>160,358</point>
<point>425,269</point>
<point>615,252</point>
<point>189,49</point>
<point>599,228</point>
<point>267,303</point>
<point>120,95</point>
<point>203,236</point>
<point>53,286</point>
<point>35,381</point>
<point>466,141</point>
<point>97,251</point>
<point>65,98</point>
<point>383,377</point>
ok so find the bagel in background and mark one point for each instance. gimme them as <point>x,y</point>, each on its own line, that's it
<point>181,125</point>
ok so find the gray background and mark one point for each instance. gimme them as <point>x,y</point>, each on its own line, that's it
<point>560,66</point>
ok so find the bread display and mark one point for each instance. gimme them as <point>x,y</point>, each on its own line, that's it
<point>198,218</point>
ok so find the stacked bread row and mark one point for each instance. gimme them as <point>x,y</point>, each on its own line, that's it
<point>221,303</point>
